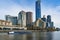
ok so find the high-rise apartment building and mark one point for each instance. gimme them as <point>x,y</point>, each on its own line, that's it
<point>22,19</point>
<point>28,18</point>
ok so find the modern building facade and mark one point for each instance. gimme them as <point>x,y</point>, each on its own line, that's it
<point>47,24</point>
<point>38,9</point>
<point>40,23</point>
<point>22,19</point>
<point>28,18</point>
<point>44,19</point>
<point>49,18</point>
<point>52,24</point>
<point>11,19</point>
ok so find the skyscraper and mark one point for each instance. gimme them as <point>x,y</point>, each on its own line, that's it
<point>12,19</point>
<point>22,19</point>
<point>38,9</point>
<point>52,24</point>
<point>28,18</point>
<point>49,18</point>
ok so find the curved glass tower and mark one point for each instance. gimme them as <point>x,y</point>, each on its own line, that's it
<point>38,9</point>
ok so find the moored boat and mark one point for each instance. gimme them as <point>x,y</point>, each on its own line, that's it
<point>21,32</point>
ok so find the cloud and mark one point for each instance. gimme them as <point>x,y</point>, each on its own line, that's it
<point>13,9</point>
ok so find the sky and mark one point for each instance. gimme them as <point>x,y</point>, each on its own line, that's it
<point>48,7</point>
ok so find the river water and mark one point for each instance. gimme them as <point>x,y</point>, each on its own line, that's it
<point>33,36</point>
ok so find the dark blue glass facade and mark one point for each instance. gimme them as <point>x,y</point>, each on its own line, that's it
<point>38,9</point>
<point>52,24</point>
<point>49,18</point>
<point>44,19</point>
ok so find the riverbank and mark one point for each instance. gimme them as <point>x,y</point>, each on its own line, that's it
<point>5,31</point>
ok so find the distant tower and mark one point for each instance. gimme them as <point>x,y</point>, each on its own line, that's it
<point>49,18</point>
<point>44,18</point>
<point>38,9</point>
<point>28,18</point>
<point>52,24</point>
<point>49,21</point>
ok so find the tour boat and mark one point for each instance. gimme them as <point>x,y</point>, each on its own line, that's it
<point>21,32</point>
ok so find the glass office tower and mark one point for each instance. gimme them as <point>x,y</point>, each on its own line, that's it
<point>38,9</point>
<point>49,18</point>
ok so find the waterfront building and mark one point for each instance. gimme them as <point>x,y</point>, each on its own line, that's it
<point>28,18</point>
<point>49,18</point>
<point>44,18</point>
<point>12,19</point>
<point>40,23</point>
<point>22,19</point>
<point>52,24</point>
<point>5,23</point>
<point>47,24</point>
<point>38,9</point>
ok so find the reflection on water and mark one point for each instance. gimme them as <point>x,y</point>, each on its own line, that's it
<point>33,36</point>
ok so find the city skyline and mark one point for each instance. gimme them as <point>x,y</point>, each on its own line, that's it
<point>12,7</point>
